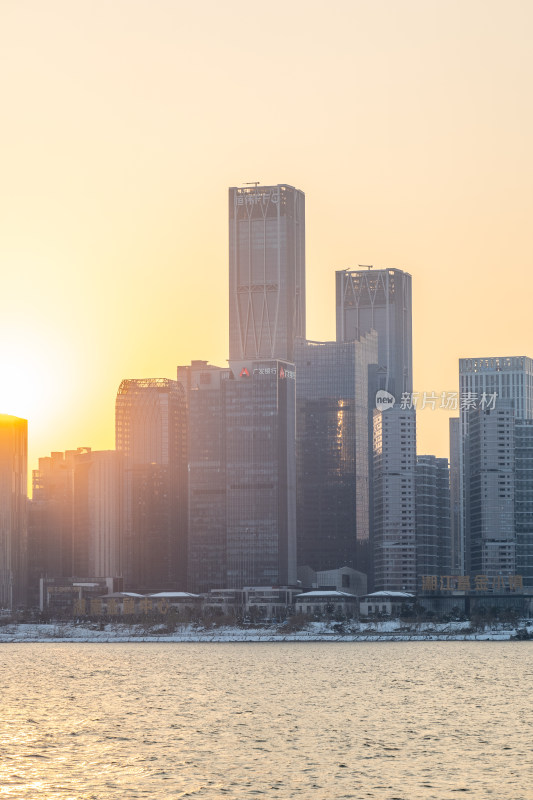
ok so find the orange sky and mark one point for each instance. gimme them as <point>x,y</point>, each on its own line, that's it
<point>408,124</point>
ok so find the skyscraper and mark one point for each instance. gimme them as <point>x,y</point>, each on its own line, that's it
<point>496,393</point>
<point>333,491</point>
<point>13,510</point>
<point>260,474</point>
<point>266,271</point>
<point>205,386</point>
<point>75,517</point>
<point>379,299</point>
<point>394,528</point>
<point>151,437</point>
<point>433,540</point>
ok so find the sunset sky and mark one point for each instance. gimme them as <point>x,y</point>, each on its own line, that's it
<point>407,123</point>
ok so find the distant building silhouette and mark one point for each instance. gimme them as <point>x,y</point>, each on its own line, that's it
<point>13,510</point>
<point>150,420</point>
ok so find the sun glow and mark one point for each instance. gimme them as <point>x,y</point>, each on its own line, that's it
<point>31,375</point>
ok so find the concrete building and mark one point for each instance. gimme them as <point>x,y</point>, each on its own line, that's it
<point>13,510</point>
<point>490,491</point>
<point>394,500</point>
<point>150,425</point>
<point>496,395</point>
<point>266,271</point>
<point>327,603</point>
<point>333,452</point>
<point>390,604</point>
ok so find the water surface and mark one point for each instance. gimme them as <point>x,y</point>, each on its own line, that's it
<point>324,721</point>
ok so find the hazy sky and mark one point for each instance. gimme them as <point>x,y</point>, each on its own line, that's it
<point>408,124</point>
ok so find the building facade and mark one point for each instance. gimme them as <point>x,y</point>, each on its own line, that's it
<point>496,394</point>
<point>260,474</point>
<point>204,385</point>
<point>13,510</point>
<point>380,300</point>
<point>394,540</point>
<point>333,452</point>
<point>490,491</point>
<point>266,271</point>
<point>433,535</point>
<point>150,420</point>
<point>523,486</point>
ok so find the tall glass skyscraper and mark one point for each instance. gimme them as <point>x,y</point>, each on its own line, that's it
<point>380,300</point>
<point>261,474</point>
<point>205,387</point>
<point>266,271</point>
<point>333,452</point>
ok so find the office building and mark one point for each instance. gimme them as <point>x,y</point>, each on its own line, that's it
<point>204,385</point>
<point>333,452</point>
<point>260,474</point>
<point>151,438</point>
<point>13,510</point>
<point>432,500</point>
<point>266,271</point>
<point>380,300</point>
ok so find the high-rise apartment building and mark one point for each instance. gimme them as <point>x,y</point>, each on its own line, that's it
<point>496,395</point>
<point>13,510</point>
<point>150,423</point>
<point>380,300</point>
<point>266,271</point>
<point>490,491</point>
<point>394,529</point>
<point>333,453</point>
<point>75,517</point>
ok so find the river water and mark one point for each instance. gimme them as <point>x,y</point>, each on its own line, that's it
<point>320,721</point>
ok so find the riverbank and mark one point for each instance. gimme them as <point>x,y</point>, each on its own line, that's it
<point>389,630</point>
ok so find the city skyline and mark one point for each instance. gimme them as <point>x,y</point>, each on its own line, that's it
<point>408,131</point>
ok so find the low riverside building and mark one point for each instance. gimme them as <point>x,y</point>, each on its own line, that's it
<point>177,601</point>
<point>388,603</point>
<point>325,602</point>
<point>344,579</point>
<point>269,602</point>
<point>60,594</point>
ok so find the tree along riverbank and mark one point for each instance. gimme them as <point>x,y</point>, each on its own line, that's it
<point>352,631</point>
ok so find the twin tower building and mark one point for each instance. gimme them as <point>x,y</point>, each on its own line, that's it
<point>237,475</point>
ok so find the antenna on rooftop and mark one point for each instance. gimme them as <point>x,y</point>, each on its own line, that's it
<point>368,266</point>
<point>253,183</point>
